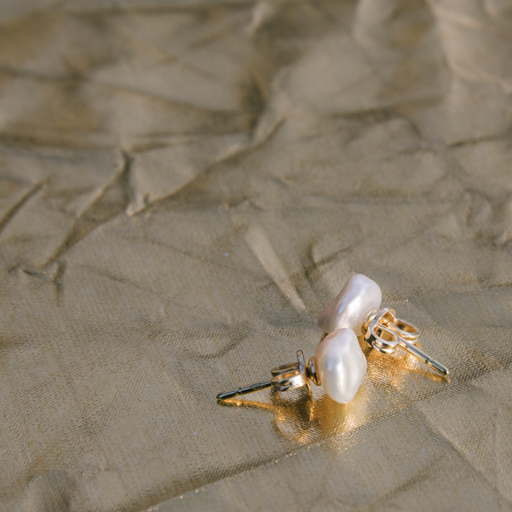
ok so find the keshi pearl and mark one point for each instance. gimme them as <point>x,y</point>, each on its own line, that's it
<point>359,296</point>
<point>340,364</point>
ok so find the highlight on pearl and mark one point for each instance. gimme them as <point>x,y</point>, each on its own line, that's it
<point>348,310</point>
<point>340,364</point>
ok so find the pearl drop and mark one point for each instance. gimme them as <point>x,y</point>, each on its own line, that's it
<point>357,298</point>
<point>340,364</point>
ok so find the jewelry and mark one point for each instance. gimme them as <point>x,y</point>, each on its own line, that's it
<point>357,308</point>
<point>341,367</point>
<point>339,363</point>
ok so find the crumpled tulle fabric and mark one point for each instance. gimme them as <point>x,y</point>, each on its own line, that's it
<point>184,186</point>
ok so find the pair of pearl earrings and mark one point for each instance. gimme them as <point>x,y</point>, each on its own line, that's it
<point>339,364</point>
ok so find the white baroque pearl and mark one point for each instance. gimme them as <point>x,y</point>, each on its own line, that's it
<point>340,364</point>
<point>359,296</point>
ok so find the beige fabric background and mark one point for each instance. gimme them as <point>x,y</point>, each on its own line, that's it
<point>185,184</point>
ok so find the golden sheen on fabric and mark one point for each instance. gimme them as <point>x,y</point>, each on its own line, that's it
<point>186,185</point>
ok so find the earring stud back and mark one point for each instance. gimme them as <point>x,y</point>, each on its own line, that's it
<point>385,332</point>
<point>284,377</point>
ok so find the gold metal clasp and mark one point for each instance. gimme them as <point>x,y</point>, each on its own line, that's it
<point>385,332</point>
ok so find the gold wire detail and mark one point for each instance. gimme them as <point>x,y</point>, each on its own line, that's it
<point>385,332</point>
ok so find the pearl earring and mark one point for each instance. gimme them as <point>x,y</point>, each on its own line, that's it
<point>339,363</point>
<point>357,308</point>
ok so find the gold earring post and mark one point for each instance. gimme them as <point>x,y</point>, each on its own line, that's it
<point>245,390</point>
<point>285,377</point>
<point>385,332</point>
<point>424,358</point>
